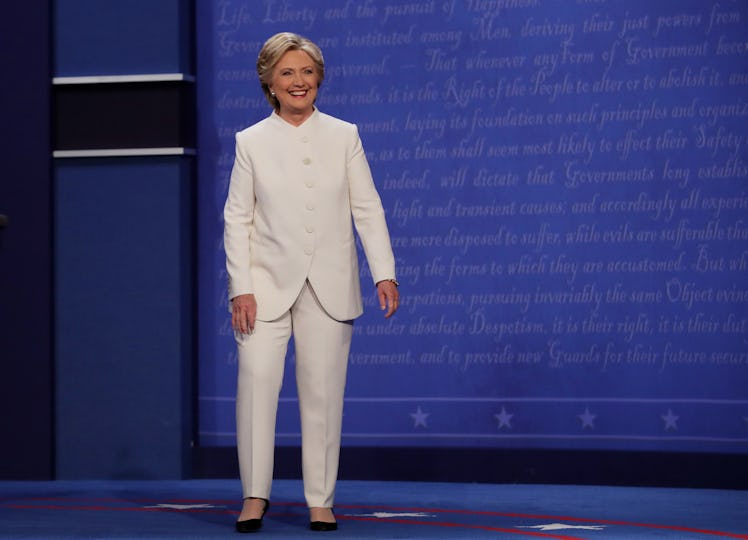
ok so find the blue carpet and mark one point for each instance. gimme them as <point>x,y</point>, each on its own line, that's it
<point>208,509</point>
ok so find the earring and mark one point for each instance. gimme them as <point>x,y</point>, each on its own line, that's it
<point>272,94</point>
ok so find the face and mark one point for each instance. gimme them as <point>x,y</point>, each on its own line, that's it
<point>295,83</point>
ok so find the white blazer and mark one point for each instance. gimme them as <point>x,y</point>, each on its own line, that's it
<point>288,213</point>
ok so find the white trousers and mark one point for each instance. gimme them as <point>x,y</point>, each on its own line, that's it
<point>322,345</point>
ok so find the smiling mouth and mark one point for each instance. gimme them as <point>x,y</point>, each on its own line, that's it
<point>299,93</point>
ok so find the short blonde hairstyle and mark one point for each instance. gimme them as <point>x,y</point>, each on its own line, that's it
<point>272,51</point>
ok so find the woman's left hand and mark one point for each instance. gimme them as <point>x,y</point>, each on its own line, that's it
<point>389,297</point>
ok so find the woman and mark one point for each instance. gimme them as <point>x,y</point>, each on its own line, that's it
<point>300,178</point>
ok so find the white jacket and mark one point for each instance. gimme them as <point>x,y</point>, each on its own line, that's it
<point>288,215</point>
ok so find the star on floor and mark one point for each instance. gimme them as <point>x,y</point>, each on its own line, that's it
<point>561,526</point>
<point>184,506</point>
<point>587,418</point>
<point>504,418</point>
<point>386,515</point>
<point>671,421</point>
<point>419,417</point>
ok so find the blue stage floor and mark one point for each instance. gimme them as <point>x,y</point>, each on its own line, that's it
<point>208,509</point>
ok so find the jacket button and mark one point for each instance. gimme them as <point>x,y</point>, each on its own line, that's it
<point>305,139</point>
<point>309,206</point>
<point>308,251</point>
<point>306,161</point>
<point>310,184</point>
<point>309,229</point>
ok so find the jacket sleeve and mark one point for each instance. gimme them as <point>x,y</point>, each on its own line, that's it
<point>368,214</point>
<point>238,219</point>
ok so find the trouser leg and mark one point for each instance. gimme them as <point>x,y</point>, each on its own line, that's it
<point>261,362</point>
<point>322,345</point>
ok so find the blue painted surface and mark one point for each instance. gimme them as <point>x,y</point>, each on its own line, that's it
<point>123,317</point>
<point>92,37</point>
<point>208,509</point>
<point>565,185</point>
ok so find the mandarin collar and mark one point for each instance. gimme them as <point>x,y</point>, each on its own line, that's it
<point>306,124</point>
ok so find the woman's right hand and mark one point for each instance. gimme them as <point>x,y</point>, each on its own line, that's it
<point>243,313</point>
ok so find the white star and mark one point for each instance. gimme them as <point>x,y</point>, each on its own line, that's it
<point>587,418</point>
<point>504,418</point>
<point>384,515</point>
<point>559,526</point>
<point>671,421</point>
<point>419,418</point>
<point>183,506</point>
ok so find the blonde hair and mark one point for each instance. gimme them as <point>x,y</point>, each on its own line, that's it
<point>272,51</point>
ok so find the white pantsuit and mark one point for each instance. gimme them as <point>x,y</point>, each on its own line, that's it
<point>322,345</point>
<point>294,196</point>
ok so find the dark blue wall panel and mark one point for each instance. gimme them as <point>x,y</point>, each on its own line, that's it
<point>94,37</point>
<point>123,317</point>
<point>25,244</point>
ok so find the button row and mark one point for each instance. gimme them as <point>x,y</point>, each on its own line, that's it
<point>309,250</point>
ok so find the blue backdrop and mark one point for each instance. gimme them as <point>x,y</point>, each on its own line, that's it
<point>565,184</point>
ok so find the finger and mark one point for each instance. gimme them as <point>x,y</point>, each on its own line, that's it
<point>382,299</point>
<point>392,306</point>
<point>242,318</point>
<point>238,320</point>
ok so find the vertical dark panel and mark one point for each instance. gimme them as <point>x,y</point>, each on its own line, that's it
<point>123,241</point>
<point>25,245</point>
<point>123,317</point>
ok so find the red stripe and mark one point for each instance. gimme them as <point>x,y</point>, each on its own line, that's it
<point>460,525</point>
<point>375,507</point>
<point>556,518</point>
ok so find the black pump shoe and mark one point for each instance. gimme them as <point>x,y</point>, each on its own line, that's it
<point>324,525</point>
<point>252,525</point>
